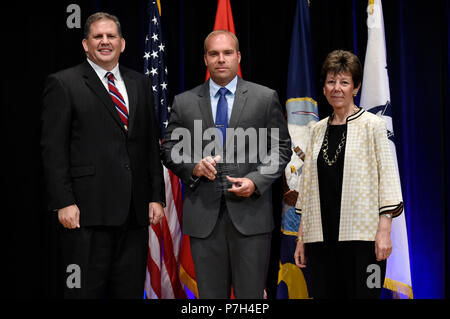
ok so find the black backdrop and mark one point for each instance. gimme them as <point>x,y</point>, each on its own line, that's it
<point>38,42</point>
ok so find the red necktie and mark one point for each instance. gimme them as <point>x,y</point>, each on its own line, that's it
<point>118,100</point>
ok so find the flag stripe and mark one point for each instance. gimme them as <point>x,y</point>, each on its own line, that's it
<point>171,225</point>
<point>167,247</point>
<point>302,99</point>
<point>153,261</point>
<point>155,274</point>
<point>177,195</point>
<point>171,263</point>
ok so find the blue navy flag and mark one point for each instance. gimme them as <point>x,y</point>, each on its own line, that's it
<point>154,65</point>
<point>302,113</point>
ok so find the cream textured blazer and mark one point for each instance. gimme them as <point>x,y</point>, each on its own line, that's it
<point>370,185</point>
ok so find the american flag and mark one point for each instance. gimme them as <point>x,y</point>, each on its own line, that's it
<point>162,278</point>
<point>154,64</point>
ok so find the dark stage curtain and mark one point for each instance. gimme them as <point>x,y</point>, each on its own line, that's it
<point>417,39</point>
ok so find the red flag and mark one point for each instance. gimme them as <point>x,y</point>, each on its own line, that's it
<point>187,271</point>
<point>224,21</point>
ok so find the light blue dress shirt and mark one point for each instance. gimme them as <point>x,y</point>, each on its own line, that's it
<point>214,95</point>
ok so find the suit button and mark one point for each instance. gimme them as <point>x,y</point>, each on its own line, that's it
<point>127,166</point>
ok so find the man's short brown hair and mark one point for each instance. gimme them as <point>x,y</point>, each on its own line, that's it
<point>98,16</point>
<point>217,32</point>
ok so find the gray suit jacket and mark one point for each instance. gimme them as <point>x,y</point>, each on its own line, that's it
<point>256,113</point>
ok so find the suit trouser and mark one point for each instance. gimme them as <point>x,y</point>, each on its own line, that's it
<point>111,260</point>
<point>228,258</point>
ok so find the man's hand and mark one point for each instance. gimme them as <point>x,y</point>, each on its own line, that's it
<point>206,167</point>
<point>69,216</point>
<point>155,212</point>
<point>242,186</point>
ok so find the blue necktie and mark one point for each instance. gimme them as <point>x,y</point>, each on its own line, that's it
<point>222,114</point>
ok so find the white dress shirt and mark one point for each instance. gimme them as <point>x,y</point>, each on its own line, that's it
<point>118,81</point>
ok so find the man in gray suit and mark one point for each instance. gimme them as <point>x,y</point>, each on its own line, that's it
<point>228,141</point>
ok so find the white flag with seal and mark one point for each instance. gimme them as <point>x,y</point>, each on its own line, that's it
<point>375,98</point>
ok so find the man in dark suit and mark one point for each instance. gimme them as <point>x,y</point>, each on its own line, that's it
<point>227,210</point>
<point>102,166</point>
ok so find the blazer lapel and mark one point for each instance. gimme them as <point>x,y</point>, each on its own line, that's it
<point>207,116</point>
<point>239,102</point>
<point>205,106</point>
<point>94,83</point>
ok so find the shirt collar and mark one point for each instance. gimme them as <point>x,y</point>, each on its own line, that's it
<point>214,87</point>
<point>101,72</point>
